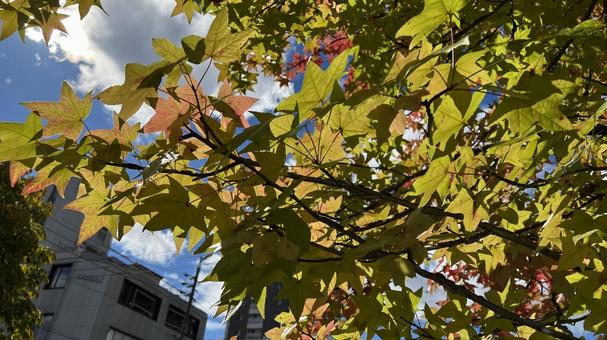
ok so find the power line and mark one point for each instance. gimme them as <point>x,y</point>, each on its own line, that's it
<point>185,323</point>
<point>120,272</point>
<point>114,250</point>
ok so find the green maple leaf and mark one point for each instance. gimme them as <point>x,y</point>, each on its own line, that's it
<point>317,85</point>
<point>350,121</point>
<point>10,23</point>
<point>187,7</point>
<point>65,117</point>
<point>436,179</point>
<point>172,209</point>
<point>166,49</point>
<point>297,291</point>
<point>220,44</point>
<point>297,231</point>
<point>92,205</point>
<point>450,117</point>
<point>282,124</point>
<point>522,112</point>
<point>138,87</point>
<point>435,13</point>
<point>193,47</point>
<point>55,174</point>
<point>17,141</point>
<point>84,6</point>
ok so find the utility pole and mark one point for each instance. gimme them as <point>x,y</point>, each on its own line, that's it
<point>186,317</point>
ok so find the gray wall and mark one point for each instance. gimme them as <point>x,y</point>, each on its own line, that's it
<point>88,305</point>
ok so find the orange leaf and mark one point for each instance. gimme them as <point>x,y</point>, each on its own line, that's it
<point>122,132</point>
<point>65,117</point>
<point>173,112</point>
<point>16,171</point>
<point>240,104</point>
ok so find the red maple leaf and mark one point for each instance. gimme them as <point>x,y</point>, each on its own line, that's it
<point>240,104</point>
<point>173,112</point>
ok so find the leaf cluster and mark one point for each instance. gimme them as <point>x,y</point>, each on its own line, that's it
<point>468,152</point>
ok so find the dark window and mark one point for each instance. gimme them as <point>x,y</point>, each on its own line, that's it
<point>58,276</point>
<point>101,234</point>
<point>139,300</point>
<point>47,318</point>
<point>114,334</point>
<point>175,319</point>
<point>52,194</point>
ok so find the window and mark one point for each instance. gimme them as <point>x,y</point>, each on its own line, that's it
<point>175,319</point>
<point>58,276</point>
<point>52,194</point>
<point>139,300</point>
<point>114,334</point>
<point>46,318</point>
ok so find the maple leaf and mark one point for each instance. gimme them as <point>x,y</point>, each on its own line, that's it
<point>16,171</point>
<point>187,7</point>
<point>10,23</point>
<point>317,85</point>
<point>53,174</point>
<point>84,6</point>
<point>65,117</point>
<point>435,13</point>
<point>92,205</point>
<point>173,112</point>
<point>17,141</point>
<point>137,88</point>
<point>480,149</point>
<point>220,44</point>
<point>122,131</point>
<point>240,104</point>
<point>51,22</point>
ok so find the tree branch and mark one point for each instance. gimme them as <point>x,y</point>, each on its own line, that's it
<point>554,62</point>
<point>475,23</point>
<point>453,288</point>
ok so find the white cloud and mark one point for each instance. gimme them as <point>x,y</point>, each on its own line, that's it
<point>156,248</point>
<point>207,296</point>
<point>38,59</point>
<point>270,93</point>
<point>142,116</point>
<point>101,44</point>
<point>8,80</point>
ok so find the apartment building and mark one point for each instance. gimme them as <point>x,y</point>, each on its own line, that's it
<point>247,323</point>
<point>93,296</point>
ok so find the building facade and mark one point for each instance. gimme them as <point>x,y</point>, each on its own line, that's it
<point>247,323</point>
<point>91,295</point>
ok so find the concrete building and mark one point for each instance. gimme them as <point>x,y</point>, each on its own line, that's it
<point>247,323</point>
<point>91,295</point>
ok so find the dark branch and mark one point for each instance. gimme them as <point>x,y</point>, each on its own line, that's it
<point>453,288</point>
<point>561,51</point>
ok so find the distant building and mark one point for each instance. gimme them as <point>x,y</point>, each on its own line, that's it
<point>247,323</point>
<point>91,296</point>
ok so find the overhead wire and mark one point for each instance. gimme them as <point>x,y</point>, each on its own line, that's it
<point>119,271</point>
